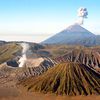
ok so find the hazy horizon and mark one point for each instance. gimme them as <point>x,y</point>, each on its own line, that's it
<point>28,37</point>
<point>36,20</point>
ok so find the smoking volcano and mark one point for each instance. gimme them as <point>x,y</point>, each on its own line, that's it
<point>82,14</point>
<point>23,59</point>
<point>74,34</point>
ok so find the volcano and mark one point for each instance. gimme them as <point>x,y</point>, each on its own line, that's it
<point>66,78</point>
<point>74,34</point>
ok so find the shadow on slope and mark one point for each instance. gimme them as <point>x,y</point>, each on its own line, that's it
<point>66,79</point>
<point>85,56</point>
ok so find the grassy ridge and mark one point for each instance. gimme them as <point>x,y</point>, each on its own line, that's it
<point>7,51</point>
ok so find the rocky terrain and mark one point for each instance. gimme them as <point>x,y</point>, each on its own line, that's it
<point>52,69</point>
<point>86,56</point>
<point>67,79</point>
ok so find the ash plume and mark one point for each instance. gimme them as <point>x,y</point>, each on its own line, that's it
<point>23,59</point>
<point>82,14</point>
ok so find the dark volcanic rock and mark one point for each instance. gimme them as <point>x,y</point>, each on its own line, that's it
<point>12,63</point>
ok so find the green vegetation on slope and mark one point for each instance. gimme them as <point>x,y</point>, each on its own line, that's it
<point>7,51</point>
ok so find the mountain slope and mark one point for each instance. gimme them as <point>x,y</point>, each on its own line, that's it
<point>97,40</point>
<point>66,78</point>
<point>9,73</point>
<point>74,34</point>
<point>8,51</point>
<point>84,56</point>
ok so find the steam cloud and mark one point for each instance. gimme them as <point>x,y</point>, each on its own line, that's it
<point>82,13</point>
<point>23,59</point>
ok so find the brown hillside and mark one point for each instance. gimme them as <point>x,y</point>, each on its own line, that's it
<point>33,67</point>
<point>66,78</point>
<point>85,56</point>
<point>31,70</point>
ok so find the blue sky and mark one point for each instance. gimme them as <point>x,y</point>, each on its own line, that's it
<point>35,20</point>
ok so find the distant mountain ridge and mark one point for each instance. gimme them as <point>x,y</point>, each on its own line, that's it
<point>2,42</point>
<point>74,35</point>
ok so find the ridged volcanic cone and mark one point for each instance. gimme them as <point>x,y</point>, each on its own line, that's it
<point>67,79</point>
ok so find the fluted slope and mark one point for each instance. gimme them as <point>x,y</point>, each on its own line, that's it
<point>66,78</point>
<point>87,57</point>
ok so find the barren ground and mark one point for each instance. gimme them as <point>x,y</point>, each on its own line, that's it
<point>12,93</point>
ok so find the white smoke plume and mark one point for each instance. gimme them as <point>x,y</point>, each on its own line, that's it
<point>23,59</point>
<point>82,14</point>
